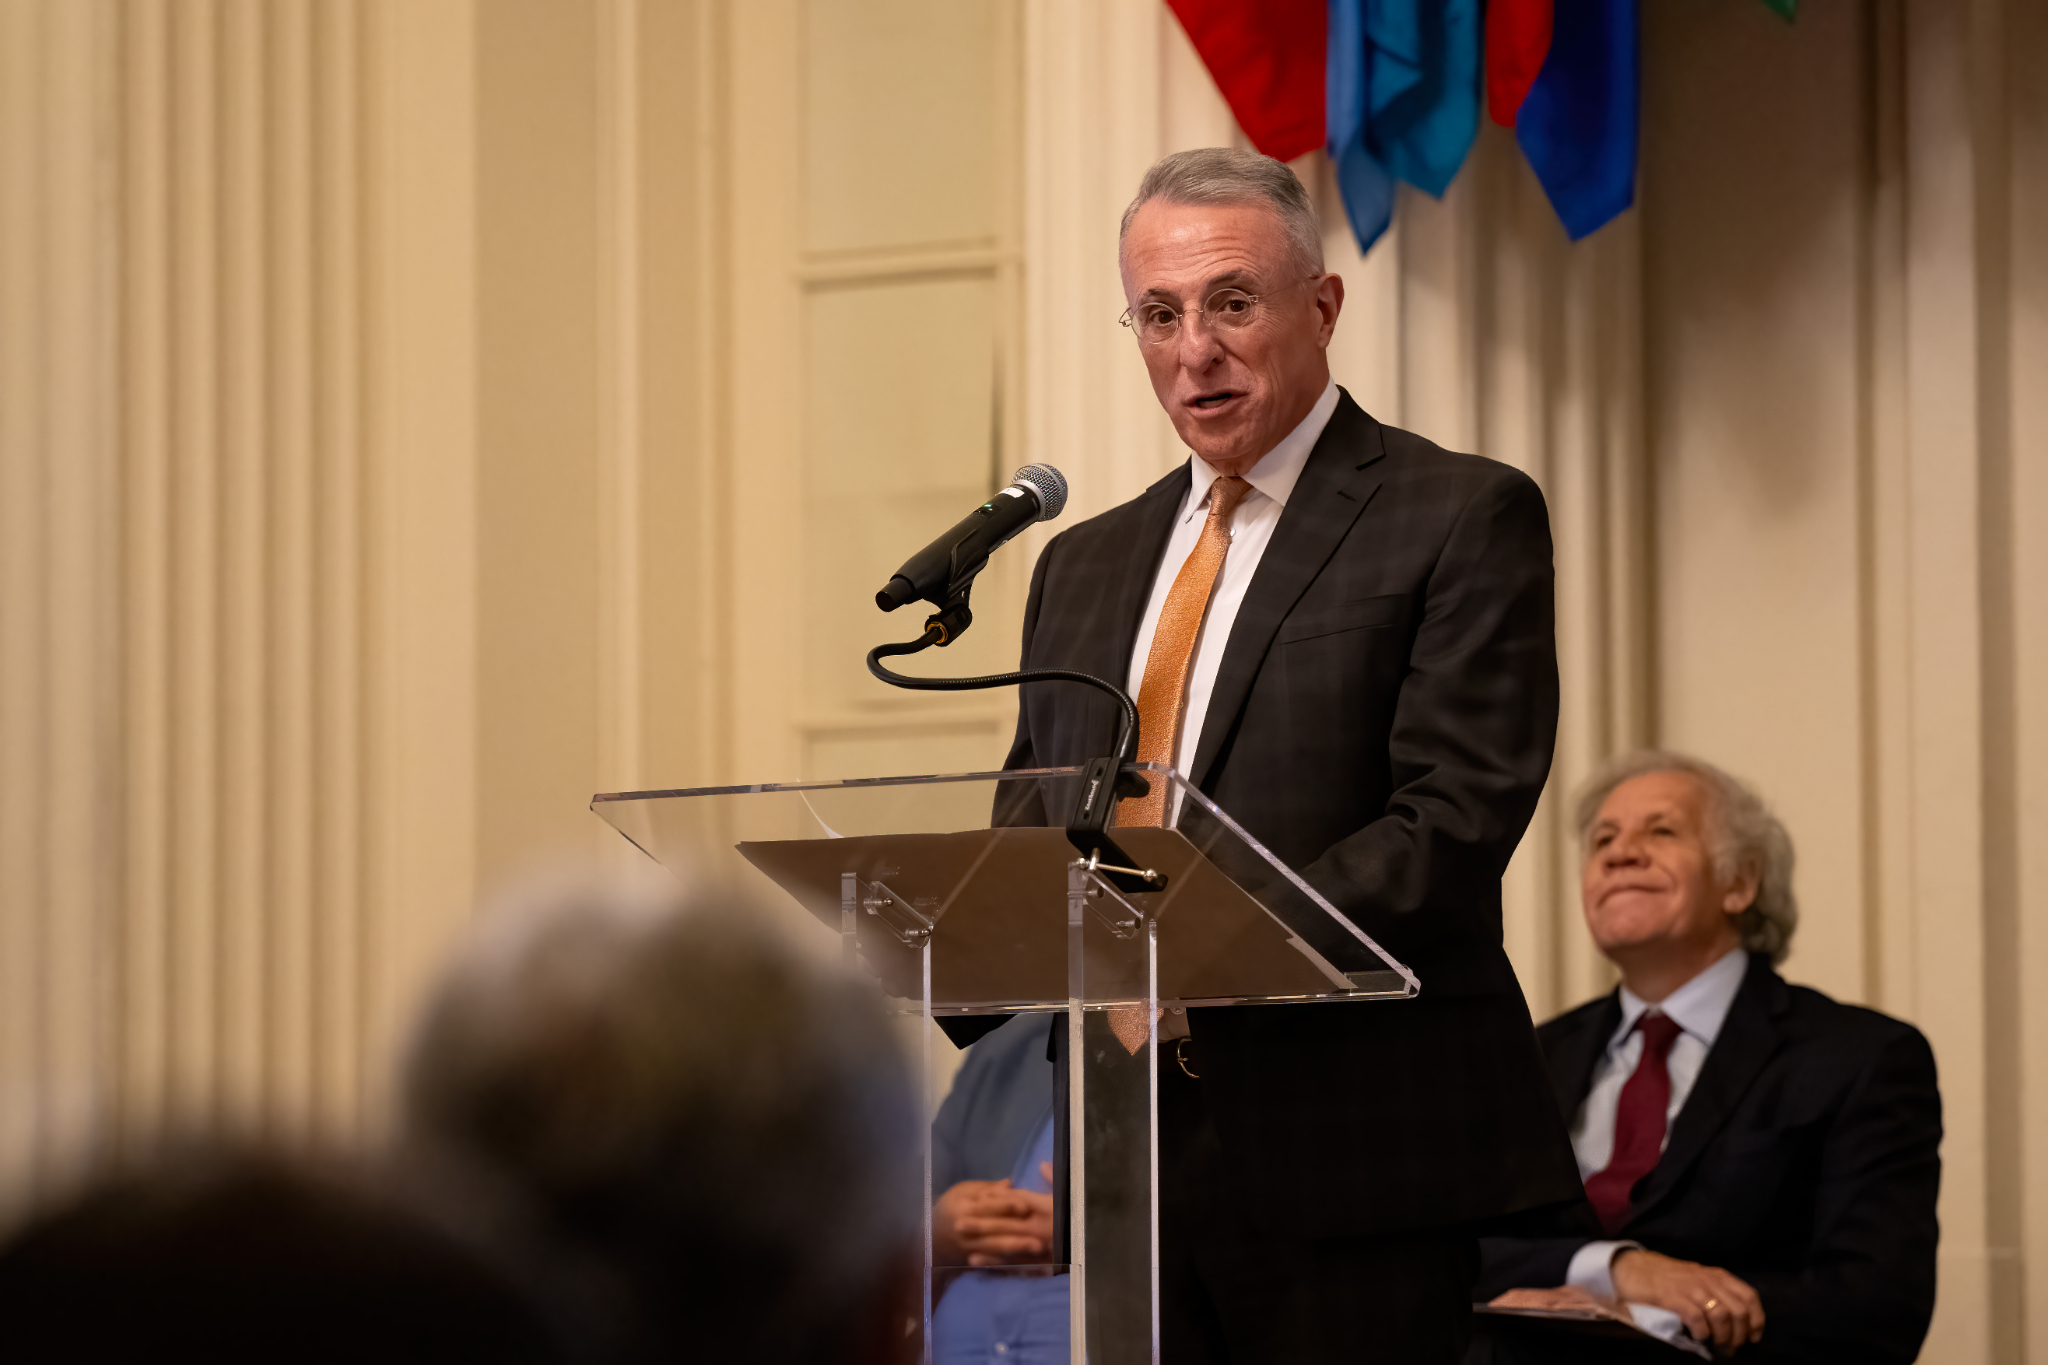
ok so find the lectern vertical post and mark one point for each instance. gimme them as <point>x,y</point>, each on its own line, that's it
<point>1077,1113</point>
<point>1112,1110</point>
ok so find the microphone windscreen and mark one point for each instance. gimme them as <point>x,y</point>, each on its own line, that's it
<point>1049,484</point>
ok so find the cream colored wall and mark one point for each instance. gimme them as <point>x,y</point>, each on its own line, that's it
<point>1834,387</point>
<point>236,485</point>
<point>416,415</point>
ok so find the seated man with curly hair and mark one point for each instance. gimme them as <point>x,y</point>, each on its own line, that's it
<point>1761,1162</point>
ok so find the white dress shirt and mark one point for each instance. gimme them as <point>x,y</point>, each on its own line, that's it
<point>1699,1008</point>
<point>1251,528</point>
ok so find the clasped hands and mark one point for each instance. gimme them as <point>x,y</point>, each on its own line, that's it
<point>992,1222</point>
<point>1715,1306</point>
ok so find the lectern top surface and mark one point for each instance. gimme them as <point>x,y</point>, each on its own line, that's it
<point>976,866</point>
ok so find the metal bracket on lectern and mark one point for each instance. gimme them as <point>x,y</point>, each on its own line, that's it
<point>1150,880</point>
<point>1119,916</point>
<point>910,924</point>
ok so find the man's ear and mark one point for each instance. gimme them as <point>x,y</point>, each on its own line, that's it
<point>1330,302</point>
<point>1741,893</point>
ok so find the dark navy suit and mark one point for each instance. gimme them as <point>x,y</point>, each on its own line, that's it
<point>1382,719</point>
<point>1806,1161</point>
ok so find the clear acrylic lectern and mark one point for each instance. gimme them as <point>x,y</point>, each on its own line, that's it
<point>962,895</point>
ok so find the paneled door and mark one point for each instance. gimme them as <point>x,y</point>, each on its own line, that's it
<point>876,372</point>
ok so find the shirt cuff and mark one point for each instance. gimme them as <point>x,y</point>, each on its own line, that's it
<point>1668,1328</point>
<point>1592,1267</point>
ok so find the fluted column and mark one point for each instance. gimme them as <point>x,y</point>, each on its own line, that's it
<point>211,477</point>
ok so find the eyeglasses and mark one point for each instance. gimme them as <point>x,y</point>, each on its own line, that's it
<point>1226,310</point>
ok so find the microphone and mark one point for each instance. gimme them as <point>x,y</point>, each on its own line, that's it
<point>1037,492</point>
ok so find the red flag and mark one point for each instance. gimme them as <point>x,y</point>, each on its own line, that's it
<point>1517,41</point>
<point>1267,59</point>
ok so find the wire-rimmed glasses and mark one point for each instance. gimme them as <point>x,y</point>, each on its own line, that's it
<point>1227,310</point>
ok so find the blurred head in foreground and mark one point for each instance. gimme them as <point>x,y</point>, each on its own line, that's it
<point>705,1143</point>
<point>231,1258</point>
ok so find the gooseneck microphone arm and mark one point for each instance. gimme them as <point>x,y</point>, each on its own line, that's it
<point>943,574</point>
<point>1127,728</point>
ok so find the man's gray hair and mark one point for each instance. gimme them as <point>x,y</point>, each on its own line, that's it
<point>691,1135</point>
<point>1743,837</point>
<point>1223,175</point>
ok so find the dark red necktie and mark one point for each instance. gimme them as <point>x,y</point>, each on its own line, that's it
<point>1638,1124</point>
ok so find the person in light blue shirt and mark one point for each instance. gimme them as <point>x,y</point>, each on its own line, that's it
<point>992,1154</point>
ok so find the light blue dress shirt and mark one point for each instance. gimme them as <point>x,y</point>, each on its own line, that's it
<point>1699,1008</point>
<point>1006,1317</point>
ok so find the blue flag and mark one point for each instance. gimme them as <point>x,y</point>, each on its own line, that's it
<point>1402,93</point>
<point>1578,127</point>
<point>1367,189</point>
<point>1424,57</point>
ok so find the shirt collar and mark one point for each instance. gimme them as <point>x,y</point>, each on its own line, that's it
<point>1699,1007</point>
<point>1279,468</point>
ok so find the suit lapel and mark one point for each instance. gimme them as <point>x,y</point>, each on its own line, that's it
<point>1335,485</point>
<point>1573,1060</point>
<point>1131,562</point>
<point>1747,1040</point>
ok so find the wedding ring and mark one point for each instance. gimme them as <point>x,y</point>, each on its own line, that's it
<point>1710,1305</point>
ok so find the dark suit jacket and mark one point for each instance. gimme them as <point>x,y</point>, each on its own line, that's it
<point>1383,721</point>
<point>1805,1161</point>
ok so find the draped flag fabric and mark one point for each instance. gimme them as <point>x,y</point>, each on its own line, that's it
<point>1402,94</point>
<point>1578,125</point>
<point>1517,41</point>
<point>1367,189</point>
<point>1267,59</point>
<point>1392,89</point>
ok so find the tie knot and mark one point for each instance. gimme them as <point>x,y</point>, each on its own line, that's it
<point>1660,1031</point>
<point>1225,494</point>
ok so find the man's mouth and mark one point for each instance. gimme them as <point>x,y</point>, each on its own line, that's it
<point>1215,400</point>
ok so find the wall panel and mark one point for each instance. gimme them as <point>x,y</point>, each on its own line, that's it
<point>1754,404</point>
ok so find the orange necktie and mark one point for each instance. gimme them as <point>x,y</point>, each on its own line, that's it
<point>1163,695</point>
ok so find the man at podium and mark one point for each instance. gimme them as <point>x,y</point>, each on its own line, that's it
<point>1344,636</point>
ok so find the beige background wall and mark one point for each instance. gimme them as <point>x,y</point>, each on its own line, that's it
<point>416,415</point>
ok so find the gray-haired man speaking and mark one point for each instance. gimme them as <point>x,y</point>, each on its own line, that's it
<point>1344,635</point>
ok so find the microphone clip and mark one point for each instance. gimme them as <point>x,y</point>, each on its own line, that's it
<point>1103,783</point>
<point>952,620</point>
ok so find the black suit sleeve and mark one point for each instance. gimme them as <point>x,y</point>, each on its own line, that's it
<point>1021,755</point>
<point>1866,1290</point>
<point>1473,724</point>
<point>1523,1263</point>
<point>1023,803</point>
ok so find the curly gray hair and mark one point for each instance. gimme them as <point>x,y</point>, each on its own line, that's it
<point>1223,175</point>
<point>1743,837</point>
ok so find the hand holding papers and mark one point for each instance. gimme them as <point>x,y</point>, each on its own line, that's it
<point>1570,1311</point>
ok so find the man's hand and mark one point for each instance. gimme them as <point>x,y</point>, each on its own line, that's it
<point>1715,1306</point>
<point>990,1222</point>
<point>1565,1296</point>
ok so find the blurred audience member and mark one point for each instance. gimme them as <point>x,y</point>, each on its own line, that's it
<point>1760,1162</point>
<point>248,1260</point>
<point>705,1144</point>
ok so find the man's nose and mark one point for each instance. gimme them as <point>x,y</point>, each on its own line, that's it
<point>1624,850</point>
<point>1198,344</point>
